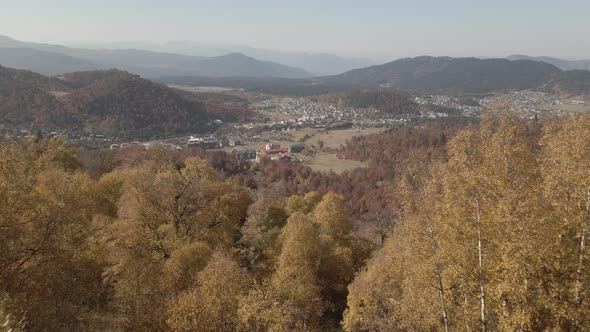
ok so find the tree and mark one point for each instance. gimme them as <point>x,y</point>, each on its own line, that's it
<point>304,204</point>
<point>50,267</point>
<point>163,233</point>
<point>333,219</point>
<point>290,299</point>
<point>374,295</point>
<point>212,304</point>
<point>566,184</point>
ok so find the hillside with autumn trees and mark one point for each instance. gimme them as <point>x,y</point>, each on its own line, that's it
<point>110,102</point>
<point>388,101</point>
<point>479,227</point>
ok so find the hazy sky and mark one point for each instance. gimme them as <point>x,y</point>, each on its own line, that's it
<point>385,27</point>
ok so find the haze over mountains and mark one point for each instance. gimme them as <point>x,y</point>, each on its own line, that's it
<point>77,92</point>
<point>55,59</point>
<point>423,75</point>
<point>319,64</point>
<point>126,105</point>
<point>560,63</point>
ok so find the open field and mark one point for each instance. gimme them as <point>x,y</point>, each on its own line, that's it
<point>322,161</point>
<point>326,162</point>
<point>332,138</point>
<point>200,88</point>
<point>59,94</point>
<point>335,138</point>
<point>570,108</point>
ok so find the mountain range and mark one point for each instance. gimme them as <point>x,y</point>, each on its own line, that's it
<point>319,64</point>
<point>560,63</point>
<point>422,75</point>
<point>445,75</point>
<point>56,59</point>
<point>123,104</point>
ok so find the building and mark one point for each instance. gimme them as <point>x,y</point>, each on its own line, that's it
<point>204,143</point>
<point>235,142</point>
<point>244,154</point>
<point>272,146</point>
<point>296,148</point>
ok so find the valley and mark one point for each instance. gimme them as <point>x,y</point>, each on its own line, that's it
<point>226,192</point>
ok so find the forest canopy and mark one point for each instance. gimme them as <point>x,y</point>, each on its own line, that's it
<point>480,228</point>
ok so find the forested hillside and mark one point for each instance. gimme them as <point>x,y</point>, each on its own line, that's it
<point>445,75</point>
<point>26,96</point>
<point>569,83</point>
<point>494,239</point>
<point>129,105</point>
<point>388,101</point>
<point>110,102</point>
<point>483,228</point>
<point>419,75</point>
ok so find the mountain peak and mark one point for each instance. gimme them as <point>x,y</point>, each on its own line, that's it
<point>236,55</point>
<point>6,38</point>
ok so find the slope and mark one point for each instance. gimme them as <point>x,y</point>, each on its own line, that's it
<point>445,75</point>
<point>111,102</point>
<point>560,63</point>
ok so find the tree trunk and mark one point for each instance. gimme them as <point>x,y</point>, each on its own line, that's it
<point>482,291</point>
<point>580,270</point>
<point>438,276</point>
<point>467,329</point>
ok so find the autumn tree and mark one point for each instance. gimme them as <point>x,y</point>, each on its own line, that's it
<point>50,267</point>
<point>211,304</point>
<point>168,224</point>
<point>566,185</point>
<point>293,288</point>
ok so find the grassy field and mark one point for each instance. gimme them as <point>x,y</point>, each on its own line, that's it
<point>335,138</point>
<point>326,162</point>
<point>200,88</point>
<point>570,108</point>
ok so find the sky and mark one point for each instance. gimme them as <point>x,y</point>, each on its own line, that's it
<point>377,28</point>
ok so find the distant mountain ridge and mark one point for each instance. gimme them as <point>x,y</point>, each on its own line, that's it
<point>560,63</point>
<point>56,59</point>
<point>569,83</point>
<point>446,75</point>
<point>421,75</point>
<point>320,64</point>
<point>44,62</point>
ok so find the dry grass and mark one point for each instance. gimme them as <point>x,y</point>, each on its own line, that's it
<point>335,138</point>
<point>200,88</point>
<point>59,94</point>
<point>326,162</point>
<point>570,108</point>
